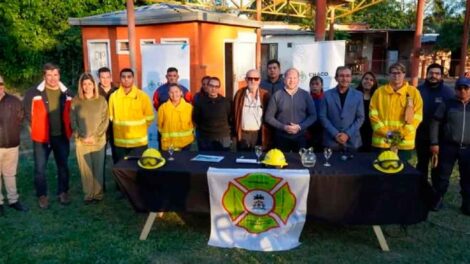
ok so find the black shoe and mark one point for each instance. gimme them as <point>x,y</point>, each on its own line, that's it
<point>438,204</point>
<point>19,207</point>
<point>2,211</point>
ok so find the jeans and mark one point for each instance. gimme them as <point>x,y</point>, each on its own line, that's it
<point>8,167</point>
<point>448,155</point>
<point>61,148</point>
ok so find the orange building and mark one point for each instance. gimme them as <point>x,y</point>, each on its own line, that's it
<point>221,44</point>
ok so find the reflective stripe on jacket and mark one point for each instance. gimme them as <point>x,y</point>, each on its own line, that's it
<point>131,115</point>
<point>387,113</point>
<point>36,110</point>
<point>175,124</point>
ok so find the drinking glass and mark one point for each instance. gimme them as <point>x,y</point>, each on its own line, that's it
<point>258,152</point>
<point>171,150</point>
<point>327,152</point>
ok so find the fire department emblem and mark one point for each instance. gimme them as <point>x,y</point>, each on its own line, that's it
<point>258,202</point>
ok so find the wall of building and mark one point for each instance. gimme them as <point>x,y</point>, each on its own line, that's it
<point>284,49</point>
<point>206,42</point>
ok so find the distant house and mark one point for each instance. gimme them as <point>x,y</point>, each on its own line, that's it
<point>278,40</point>
<point>366,49</point>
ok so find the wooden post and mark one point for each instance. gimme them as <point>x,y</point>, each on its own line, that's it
<point>320,20</point>
<point>380,237</point>
<point>148,225</point>
<point>331,31</point>
<point>132,38</point>
<point>464,47</point>
<point>258,36</point>
<point>417,43</point>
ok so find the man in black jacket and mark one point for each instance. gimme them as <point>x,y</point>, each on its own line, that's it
<point>212,118</point>
<point>433,91</point>
<point>11,116</point>
<point>454,144</point>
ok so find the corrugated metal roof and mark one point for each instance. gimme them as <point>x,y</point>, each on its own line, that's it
<point>162,14</point>
<point>286,32</point>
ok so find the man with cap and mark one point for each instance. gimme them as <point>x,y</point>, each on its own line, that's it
<point>12,114</point>
<point>433,91</point>
<point>453,115</point>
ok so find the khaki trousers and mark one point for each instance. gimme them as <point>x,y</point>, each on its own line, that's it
<point>90,160</point>
<point>8,167</point>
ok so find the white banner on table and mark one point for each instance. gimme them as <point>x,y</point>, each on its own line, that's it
<point>318,59</point>
<point>257,209</point>
<point>156,59</point>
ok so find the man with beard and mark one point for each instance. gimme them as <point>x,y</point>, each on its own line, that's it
<point>433,91</point>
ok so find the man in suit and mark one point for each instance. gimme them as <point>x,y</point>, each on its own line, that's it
<point>342,113</point>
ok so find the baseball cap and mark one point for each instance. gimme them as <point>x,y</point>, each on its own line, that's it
<point>462,81</point>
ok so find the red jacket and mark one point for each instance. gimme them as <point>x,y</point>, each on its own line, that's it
<point>35,104</point>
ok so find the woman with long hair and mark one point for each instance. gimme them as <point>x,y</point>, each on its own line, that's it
<point>367,86</point>
<point>89,118</point>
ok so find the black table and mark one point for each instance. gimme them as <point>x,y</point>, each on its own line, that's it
<point>349,192</point>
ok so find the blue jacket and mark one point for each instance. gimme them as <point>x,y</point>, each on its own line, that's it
<point>272,87</point>
<point>284,109</point>
<point>432,97</point>
<point>347,119</point>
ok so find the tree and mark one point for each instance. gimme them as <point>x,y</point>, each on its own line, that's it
<point>34,32</point>
<point>388,14</point>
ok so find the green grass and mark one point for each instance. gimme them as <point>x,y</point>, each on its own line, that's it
<point>108,232</point>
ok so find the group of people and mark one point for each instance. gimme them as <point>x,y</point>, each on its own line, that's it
<point>273,113</point>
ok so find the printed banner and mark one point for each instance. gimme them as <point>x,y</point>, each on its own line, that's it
<point>318,59</point>
<point>257,209</point>
<point>156,59</point>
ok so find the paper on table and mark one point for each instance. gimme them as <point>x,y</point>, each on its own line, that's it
<point>242,160</point>
<point>208,158</point>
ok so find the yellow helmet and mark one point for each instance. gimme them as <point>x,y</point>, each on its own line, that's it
<point>388,162</point>
<point>151,159</point>
<point>275,158</point>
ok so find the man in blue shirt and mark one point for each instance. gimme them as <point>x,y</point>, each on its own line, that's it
<point>161,94</point>
<point>342,113</point>
<point>290,111</point>
<point>274,82</point>
<point>433,91</point>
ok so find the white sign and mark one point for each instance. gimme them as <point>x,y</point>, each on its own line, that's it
<point>98,56</point>
<point>257,209</point>
<point>156,59</point>
<point>318,59</point>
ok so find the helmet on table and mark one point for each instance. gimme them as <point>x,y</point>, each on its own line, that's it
<point>275,158</point>
<point>388,162</point>
<point>151,159</point>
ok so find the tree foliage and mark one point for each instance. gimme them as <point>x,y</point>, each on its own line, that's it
<point>34,32</point>
<point>389,14</point>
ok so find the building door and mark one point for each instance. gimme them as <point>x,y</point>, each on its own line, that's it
<point>244,56</point>
<point>98,55</point>
<point>378,56</point>
<point>228,69</point>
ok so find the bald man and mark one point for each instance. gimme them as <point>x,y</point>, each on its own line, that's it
<point>290,111</point>
<point>249,105</point>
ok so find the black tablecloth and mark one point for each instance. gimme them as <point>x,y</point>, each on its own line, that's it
<point>349,192</point>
